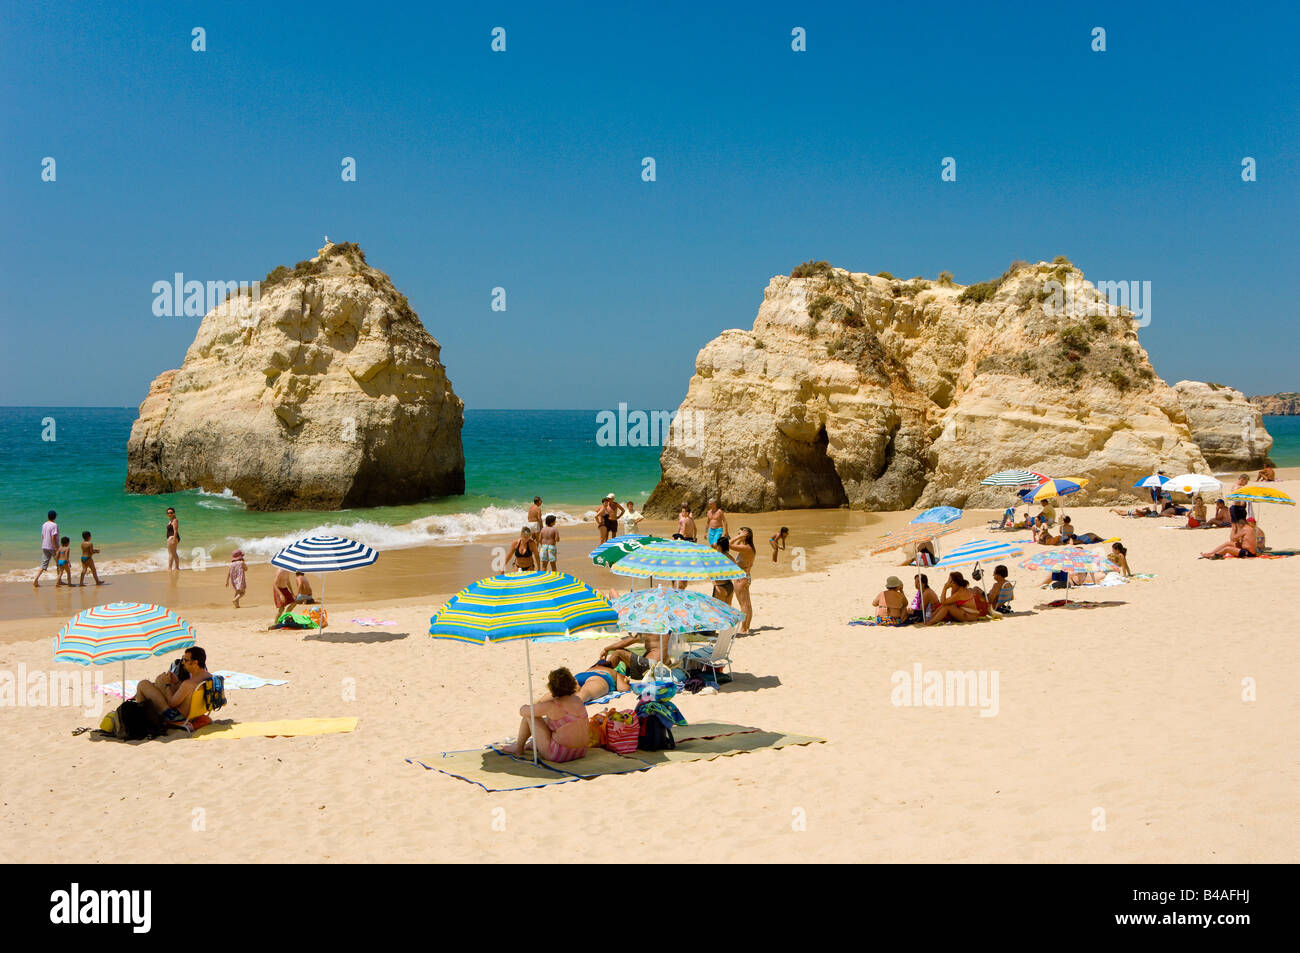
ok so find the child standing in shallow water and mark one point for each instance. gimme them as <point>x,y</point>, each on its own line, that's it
<point>63,561</point>
<point>235,577</point>
<point>88,551</point>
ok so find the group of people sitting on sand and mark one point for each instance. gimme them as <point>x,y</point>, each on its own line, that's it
<point>958,601</point>
<point>1245,540</point>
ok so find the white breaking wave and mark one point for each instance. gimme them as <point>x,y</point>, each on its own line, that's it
<point>449,528</point>
<point>428,530</point>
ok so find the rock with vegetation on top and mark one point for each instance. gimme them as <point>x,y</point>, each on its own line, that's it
<point>1278,405</point>
<point>325,392</point>
<point>886,394</point>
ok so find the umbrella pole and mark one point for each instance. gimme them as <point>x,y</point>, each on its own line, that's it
<point>532,715</point>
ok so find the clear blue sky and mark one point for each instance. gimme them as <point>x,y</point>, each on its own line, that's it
<point>478,169</point>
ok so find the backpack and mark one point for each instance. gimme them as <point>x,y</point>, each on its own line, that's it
<point>135,721</point>
<point>655,735</point>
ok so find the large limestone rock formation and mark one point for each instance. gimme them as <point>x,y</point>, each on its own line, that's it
<point>1278,405</point>
<point>875,392</point>
<point>326,392</point>
<point>1228,428</point>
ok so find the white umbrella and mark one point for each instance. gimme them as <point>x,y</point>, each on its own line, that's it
<point>1192,484</point>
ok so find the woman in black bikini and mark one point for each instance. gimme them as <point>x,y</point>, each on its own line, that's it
<point>523,554</point>
<point>173,539</point>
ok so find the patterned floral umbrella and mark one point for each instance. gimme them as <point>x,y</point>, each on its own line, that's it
<point>1069,559</point>
<point>662,611</point>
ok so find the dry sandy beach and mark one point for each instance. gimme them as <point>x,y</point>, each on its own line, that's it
<point>1121,732</point>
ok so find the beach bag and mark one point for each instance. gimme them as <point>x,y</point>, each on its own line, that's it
<point>621,731</point>
<point>655,735</point>
<point>981,602</point>
<point>135,721</point>
<point>316,613</point>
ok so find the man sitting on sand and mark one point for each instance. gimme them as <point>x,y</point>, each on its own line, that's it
<point>1266,475</point>
<point>637,665</point>
<point>1242,542</point>
<point>168,695</point>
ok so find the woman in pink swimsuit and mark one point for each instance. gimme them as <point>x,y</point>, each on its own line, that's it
<point>562,733</point>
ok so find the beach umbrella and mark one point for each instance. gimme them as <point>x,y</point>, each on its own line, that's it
<point>980,550</point>
<point>120,631</point>
<point>1013,478</point>
<point>522,606</point>
<point>1069,559</point>
<point>1260,494</point>
<point>678,560</point>
<point>1192,484</point>
<point>939,514</point>
<point>660,611</point>
<point>324,554</point>
<point>911,533</point>
<point>1151,482</point>
<point>610,552</point>
<point>1050,489</point>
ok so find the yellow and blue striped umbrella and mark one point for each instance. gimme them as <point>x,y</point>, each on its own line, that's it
<point>524,605</point>
<point>1052,488</point>
<point>119,631</point>
<point>677,560</point>
<point>1260,494</point>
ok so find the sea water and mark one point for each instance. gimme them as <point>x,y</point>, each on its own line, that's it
<point>510,457</point>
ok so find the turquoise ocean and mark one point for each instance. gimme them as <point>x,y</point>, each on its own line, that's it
<point>510,457</point>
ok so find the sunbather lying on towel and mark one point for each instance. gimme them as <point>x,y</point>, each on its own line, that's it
<point>561,720</point>
<point>169,695</point>
<point>637,665</point>
<point>600,680</point>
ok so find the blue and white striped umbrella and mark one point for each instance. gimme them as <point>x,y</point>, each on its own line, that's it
<point>1154,480</point>
<point>1013,478</point>
<point>977,551</point>
<point>324,554</point>
<point>939,514</point>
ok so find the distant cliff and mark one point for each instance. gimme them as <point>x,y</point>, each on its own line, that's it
<point>871,391</point>
<point>324,392</point>
<point>1279,405</point>
<point>1227,427</point>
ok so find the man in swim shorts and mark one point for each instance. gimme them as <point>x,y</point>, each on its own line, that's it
<point>168,695</point>
<point>636,665</point>
<point>550,540</point>
<point>717,523</point>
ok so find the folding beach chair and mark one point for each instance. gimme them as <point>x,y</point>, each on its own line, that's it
<point>711,658</point>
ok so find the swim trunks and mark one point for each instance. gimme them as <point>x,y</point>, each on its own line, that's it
<point>637,667</point>
<point>548,555</point>
<point>715,534</point>
<point>48,554</point>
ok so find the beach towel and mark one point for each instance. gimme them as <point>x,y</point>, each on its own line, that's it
<point>607,698</point>
<point>876,620</point>
<point>285,728</point>
<point>232,679</point>
<point>1071,604</point>
<point>373,621</point>
<point>492,770</point>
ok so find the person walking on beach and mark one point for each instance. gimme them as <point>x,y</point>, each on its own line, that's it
<point>717,523</point>
<point>778,541</point>
<point>535,515</point>
<point>608,516</point>
<point>235,576</point>
<point>88,551</point>
<point>743,552</point>
<point>49,545</point>
<point>63,562</point>
<point>550,544</point>
<point>173,540</point>
<point>685,531</point>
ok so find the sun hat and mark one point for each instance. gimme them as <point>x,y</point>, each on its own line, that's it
<point>237,554</point>
<point>609,496</point>
<point>893,582</point>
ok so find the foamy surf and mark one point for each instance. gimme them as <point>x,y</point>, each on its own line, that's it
<point>449,528</point>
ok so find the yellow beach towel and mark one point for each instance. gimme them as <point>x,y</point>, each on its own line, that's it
<point>286,727</point>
